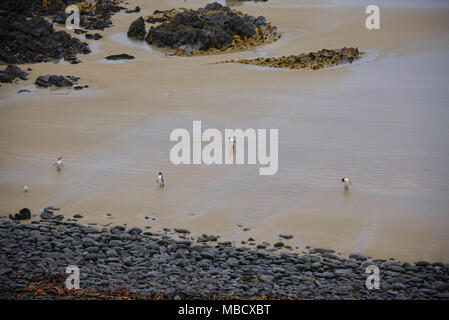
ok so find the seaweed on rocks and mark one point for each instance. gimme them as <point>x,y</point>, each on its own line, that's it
<point>212,29</point>
<point>312,60</point>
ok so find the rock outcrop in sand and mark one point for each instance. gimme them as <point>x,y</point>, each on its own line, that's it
<point>137,29</point>
<point>26,37</point>
<point>312,60</point>
<point>212,29</point>
<point>34,40</point>
<point>11,73</point>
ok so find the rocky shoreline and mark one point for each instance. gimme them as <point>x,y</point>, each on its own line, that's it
<point>117,262</point>
<point>27,34</point>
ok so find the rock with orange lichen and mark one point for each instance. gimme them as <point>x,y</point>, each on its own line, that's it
<point>312,60</point>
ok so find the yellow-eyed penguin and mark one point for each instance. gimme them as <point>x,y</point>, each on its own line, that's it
<point>160,179</point>
<point>346,181</point>
<point>232,141</point>
<point>58,164</point>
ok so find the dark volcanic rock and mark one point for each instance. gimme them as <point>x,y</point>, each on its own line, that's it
<point>24,40</point>
<point>23,214</point>
<point>53,80</point>
<point>212,27</point>
<point>179,230</point>
<point>135,10</point>
<point>34,40</point>
<point>95,36</point>
<point>5,77</point>
<point>16,72</point>
<point>122,56</point>
<point>97,18</point>
<point>137,29</point>
<point>278,244</point>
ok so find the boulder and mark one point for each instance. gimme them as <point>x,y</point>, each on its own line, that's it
<point>122,56</point>
<point>23,214</point>
<point>137,29</point>
<point>53,80</point>
<point>213,27</point>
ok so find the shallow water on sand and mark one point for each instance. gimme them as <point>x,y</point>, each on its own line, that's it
<point>383,121</point>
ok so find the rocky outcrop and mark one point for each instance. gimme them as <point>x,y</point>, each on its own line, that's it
<point>95,36</point>
<point>92,17</point>
<point>11,73</point>
<point>24,214</point>
<point>137,29</point>
<point>53,80</point>
<point>312,60</point>
<point>35,40</point>
<point>214,28</point>
<point>26,37</point>
<point>135,10</point>
<point>122,56</point>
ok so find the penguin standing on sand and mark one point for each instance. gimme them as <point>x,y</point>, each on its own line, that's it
<point>58,164</point>
<point>25,189</point>
<point>347,182</point>
<point>160,179</point>
<point>232,141</point>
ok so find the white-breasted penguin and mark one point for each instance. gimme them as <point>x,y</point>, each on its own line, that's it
<point>346,181</point>
<point>58,164</point>
<point>232,141</point>
<point>25,189</point>
<point>160,179</point>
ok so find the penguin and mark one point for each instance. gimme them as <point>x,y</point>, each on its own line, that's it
<point>25,189</point>
<point>232,140</point>
<point>347,182</point>
<point>58,164</point>
<point>160,180</point>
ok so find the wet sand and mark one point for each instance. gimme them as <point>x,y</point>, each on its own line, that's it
<point>383,122</point>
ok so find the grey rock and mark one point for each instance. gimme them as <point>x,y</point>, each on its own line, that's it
<point>278,244</point>
<point>232,262</point>
<point>179,230</point>
<point>135,230</point>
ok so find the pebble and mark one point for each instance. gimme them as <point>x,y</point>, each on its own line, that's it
<point>178,230</point>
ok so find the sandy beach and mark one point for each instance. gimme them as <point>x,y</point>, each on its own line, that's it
<point>383,121</point>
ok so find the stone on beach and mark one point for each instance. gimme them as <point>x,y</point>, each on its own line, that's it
<point>23,214</point>
<point>123,56</point>
<point>53,80</point>
<point>137,29</point>
<point>212,29</point>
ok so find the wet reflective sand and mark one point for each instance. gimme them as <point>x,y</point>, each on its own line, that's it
<point>384,122</point>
